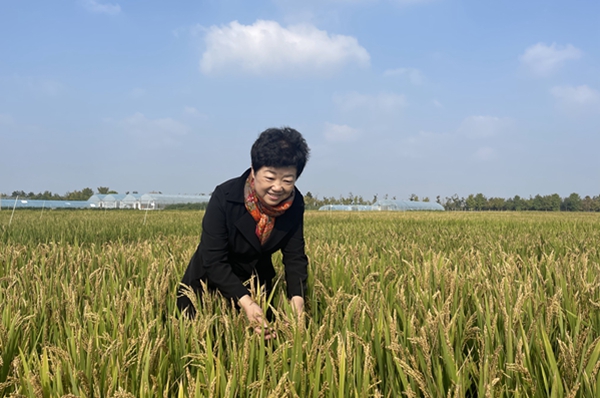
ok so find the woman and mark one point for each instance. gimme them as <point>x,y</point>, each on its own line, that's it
<point>248,219</point>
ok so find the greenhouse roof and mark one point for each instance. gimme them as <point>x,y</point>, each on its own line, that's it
<point>386,205</point>
<point>132,198</point>
<point>114,197</point>
<point>96,198</point>
<point>173,199</point>
<point>48,204</point>
<point>347,208</point>
<point>407,205</point>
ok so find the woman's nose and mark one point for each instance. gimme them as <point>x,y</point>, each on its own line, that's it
<point>277,186</point>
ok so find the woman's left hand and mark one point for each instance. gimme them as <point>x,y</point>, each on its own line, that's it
<point>256,317</point>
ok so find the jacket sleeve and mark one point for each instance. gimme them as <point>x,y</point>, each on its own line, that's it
<point>296,262</point>
<point>214,244</point>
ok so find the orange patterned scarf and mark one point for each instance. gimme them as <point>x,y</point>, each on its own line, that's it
<point>263,214</point>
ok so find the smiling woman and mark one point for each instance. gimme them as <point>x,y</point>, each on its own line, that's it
<point>249,218</point>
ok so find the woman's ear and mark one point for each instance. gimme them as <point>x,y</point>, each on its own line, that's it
<point>252,173</point>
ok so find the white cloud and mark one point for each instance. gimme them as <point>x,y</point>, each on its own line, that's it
<point>543,60</point>
<point>576,101</point>
<point>268,48</point>
<point>485,154</point>
<point>154,132</point>
<point>437,104</point>
<point>380,103</point>
<point>484,126</point>
<point>580,95</point>
<point>340,133</point>
<point>415,76</point>
<point>101,8</point>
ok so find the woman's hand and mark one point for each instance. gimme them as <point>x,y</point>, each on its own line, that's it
<point>256,317</point>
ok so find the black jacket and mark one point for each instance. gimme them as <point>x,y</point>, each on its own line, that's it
<point>230,252</point>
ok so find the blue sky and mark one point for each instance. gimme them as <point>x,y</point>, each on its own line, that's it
<point>432,97</point>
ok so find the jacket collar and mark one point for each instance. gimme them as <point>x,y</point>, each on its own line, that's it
<point>235,190</point>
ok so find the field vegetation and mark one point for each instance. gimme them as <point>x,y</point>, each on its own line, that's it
<point>400,304</point>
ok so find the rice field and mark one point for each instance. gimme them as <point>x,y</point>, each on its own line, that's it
<point>400,305</point>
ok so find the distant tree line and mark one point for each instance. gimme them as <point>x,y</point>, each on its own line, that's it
<point>84,194</point>
<point>477,202</point>
<point>554,202</point>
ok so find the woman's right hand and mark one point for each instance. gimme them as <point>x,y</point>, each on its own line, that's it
<point>256,317</point>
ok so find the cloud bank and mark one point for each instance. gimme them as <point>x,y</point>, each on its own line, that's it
<point>580,95</point>
<point>576,100</point>
<point>266,48</point>
<point>543,60</point>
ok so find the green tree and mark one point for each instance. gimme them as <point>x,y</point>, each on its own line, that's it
<point>87,193</point>
<point>497,204</point>
<point>455,203</point>
<point>587,204</point>
<point>84,194</point>
<point>596,200</point>
<point>537,203</point>
<point>554,202</point>
<point>518,203</point>
<point>47,195</point>
<point>470,202</point>
<point>572,203</point>
<point>480,202</point>
<point>311,202</point>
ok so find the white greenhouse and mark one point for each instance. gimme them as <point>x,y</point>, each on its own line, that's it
<point>387,205</point>
<point>154,201</point>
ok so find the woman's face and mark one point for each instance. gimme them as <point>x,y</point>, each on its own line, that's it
<point>274,184</point>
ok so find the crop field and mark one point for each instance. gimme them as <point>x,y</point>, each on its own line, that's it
<point>400,305</point>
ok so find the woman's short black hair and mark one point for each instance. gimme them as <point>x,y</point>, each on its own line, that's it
<point>280,147</point>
